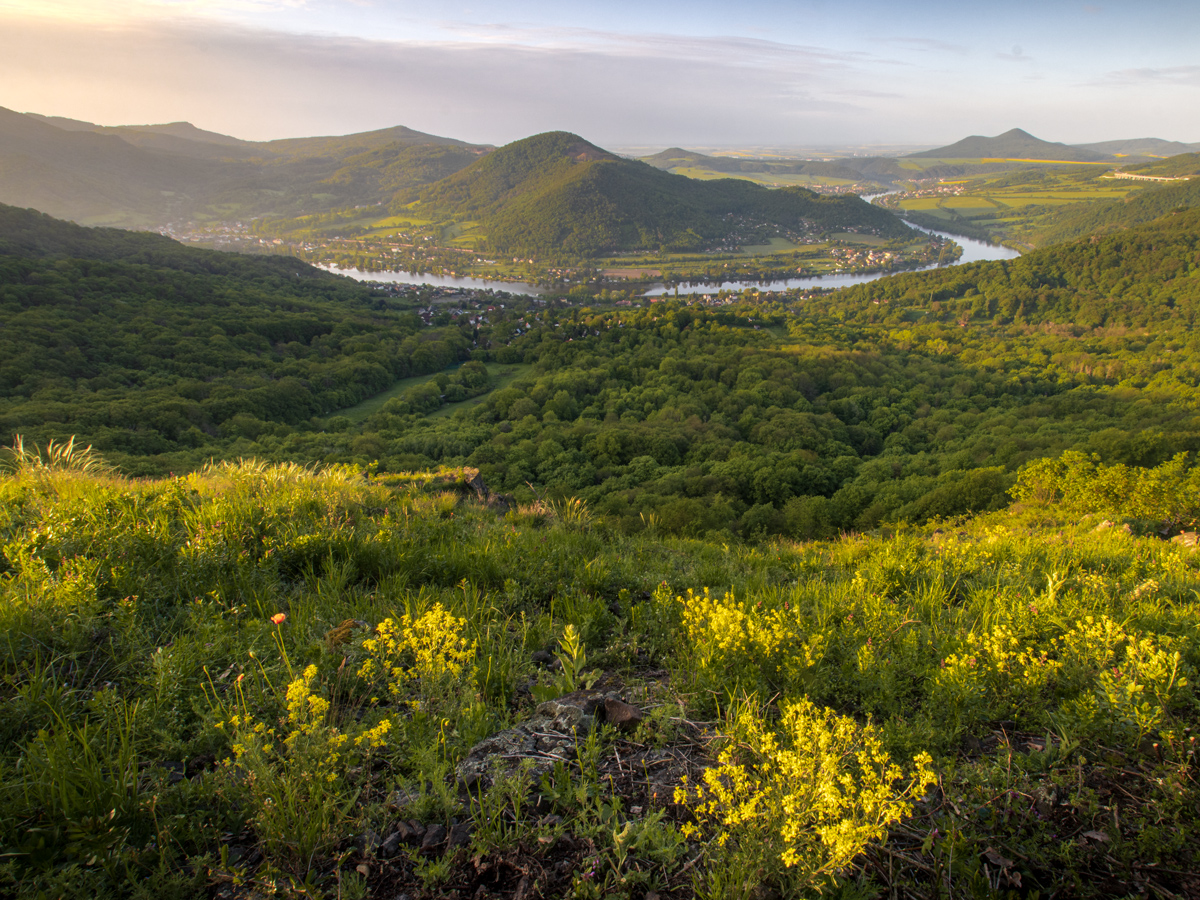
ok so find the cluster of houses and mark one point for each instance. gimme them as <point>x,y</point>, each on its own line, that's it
<point>853,258</point>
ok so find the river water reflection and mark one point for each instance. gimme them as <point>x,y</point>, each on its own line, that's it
<point>973,251</point>
<point>476,284</point>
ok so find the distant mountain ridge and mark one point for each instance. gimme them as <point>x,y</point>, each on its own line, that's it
<point>147,176</point>
<point>1013,144</point>
<point>1141,147</point>
<point>557,192</point>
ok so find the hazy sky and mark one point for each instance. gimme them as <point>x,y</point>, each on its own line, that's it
<point>619,72</point>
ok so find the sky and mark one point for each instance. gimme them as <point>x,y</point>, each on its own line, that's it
<point>644,73</point>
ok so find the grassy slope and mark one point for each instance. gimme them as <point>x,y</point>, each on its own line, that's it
<point>1045,665</point>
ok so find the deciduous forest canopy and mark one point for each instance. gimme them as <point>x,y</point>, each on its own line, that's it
<point>898,547</point>
<point>913,396</point>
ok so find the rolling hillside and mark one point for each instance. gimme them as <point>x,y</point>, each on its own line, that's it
<point>150,176</point>
<point>675,158</point>
<point>556,192</point>
<point>1141,147</point>
<point>1106,216</point>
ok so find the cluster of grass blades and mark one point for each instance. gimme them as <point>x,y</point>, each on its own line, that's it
<point>31,461</point>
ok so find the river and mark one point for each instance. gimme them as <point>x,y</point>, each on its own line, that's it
<point>973,251</point>
<point>446,281</point>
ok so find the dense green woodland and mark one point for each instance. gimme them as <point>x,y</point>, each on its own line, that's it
<point>262,678</point>
<point>146,346</point>
<point>1104,216</point>
<point>913,396</point>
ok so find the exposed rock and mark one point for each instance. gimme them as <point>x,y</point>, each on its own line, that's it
<point>368,841</point>
<point>399,799</point>
<point>1186,539</point>
<point>473,481</point>
<point>435,836</point>
<point>542,657</point>
<point>621,714</point>
<point>460,835</point>
<point>390,845</point>
<point>545,738</point>
<point>410,832</point>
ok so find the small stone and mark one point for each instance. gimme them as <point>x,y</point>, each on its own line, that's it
<point>1186,539</point>
<point>417,829</point>
<point>435,836</point>
<point>391,844</point>
<point>622,715</point>
<point>368,841</point>
<point>460,835</point>
<point>401,799</point>
<point>542,657</point>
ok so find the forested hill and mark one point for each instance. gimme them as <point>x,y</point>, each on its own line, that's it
<point>149,176</point>
<point>555,192</point>
<point>34,235</point>
<point>1142,277</point>
<point>146,347</point>
<point>1106,216</point>
<point>1183,165</point>
<point>915,396</point>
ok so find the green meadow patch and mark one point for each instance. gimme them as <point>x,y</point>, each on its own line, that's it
<point>270,679</point>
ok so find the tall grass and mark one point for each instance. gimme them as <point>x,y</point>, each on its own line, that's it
<point>218,627</point>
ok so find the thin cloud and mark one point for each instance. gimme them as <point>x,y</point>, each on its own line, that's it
<point>261,85</point>
<point>927,44</point>
<point>723,50</point>
<point>1172,75</point>
<point>864,92</point>
<point>132,10</point>
<point>1015,55</point>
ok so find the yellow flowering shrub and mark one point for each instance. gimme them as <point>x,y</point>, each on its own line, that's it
<point>995,674</point>
<point>294,771</point>
<point>814,791</point>
<point>1137,678</point>
<point>427,656</point>
<point>730,641</point>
